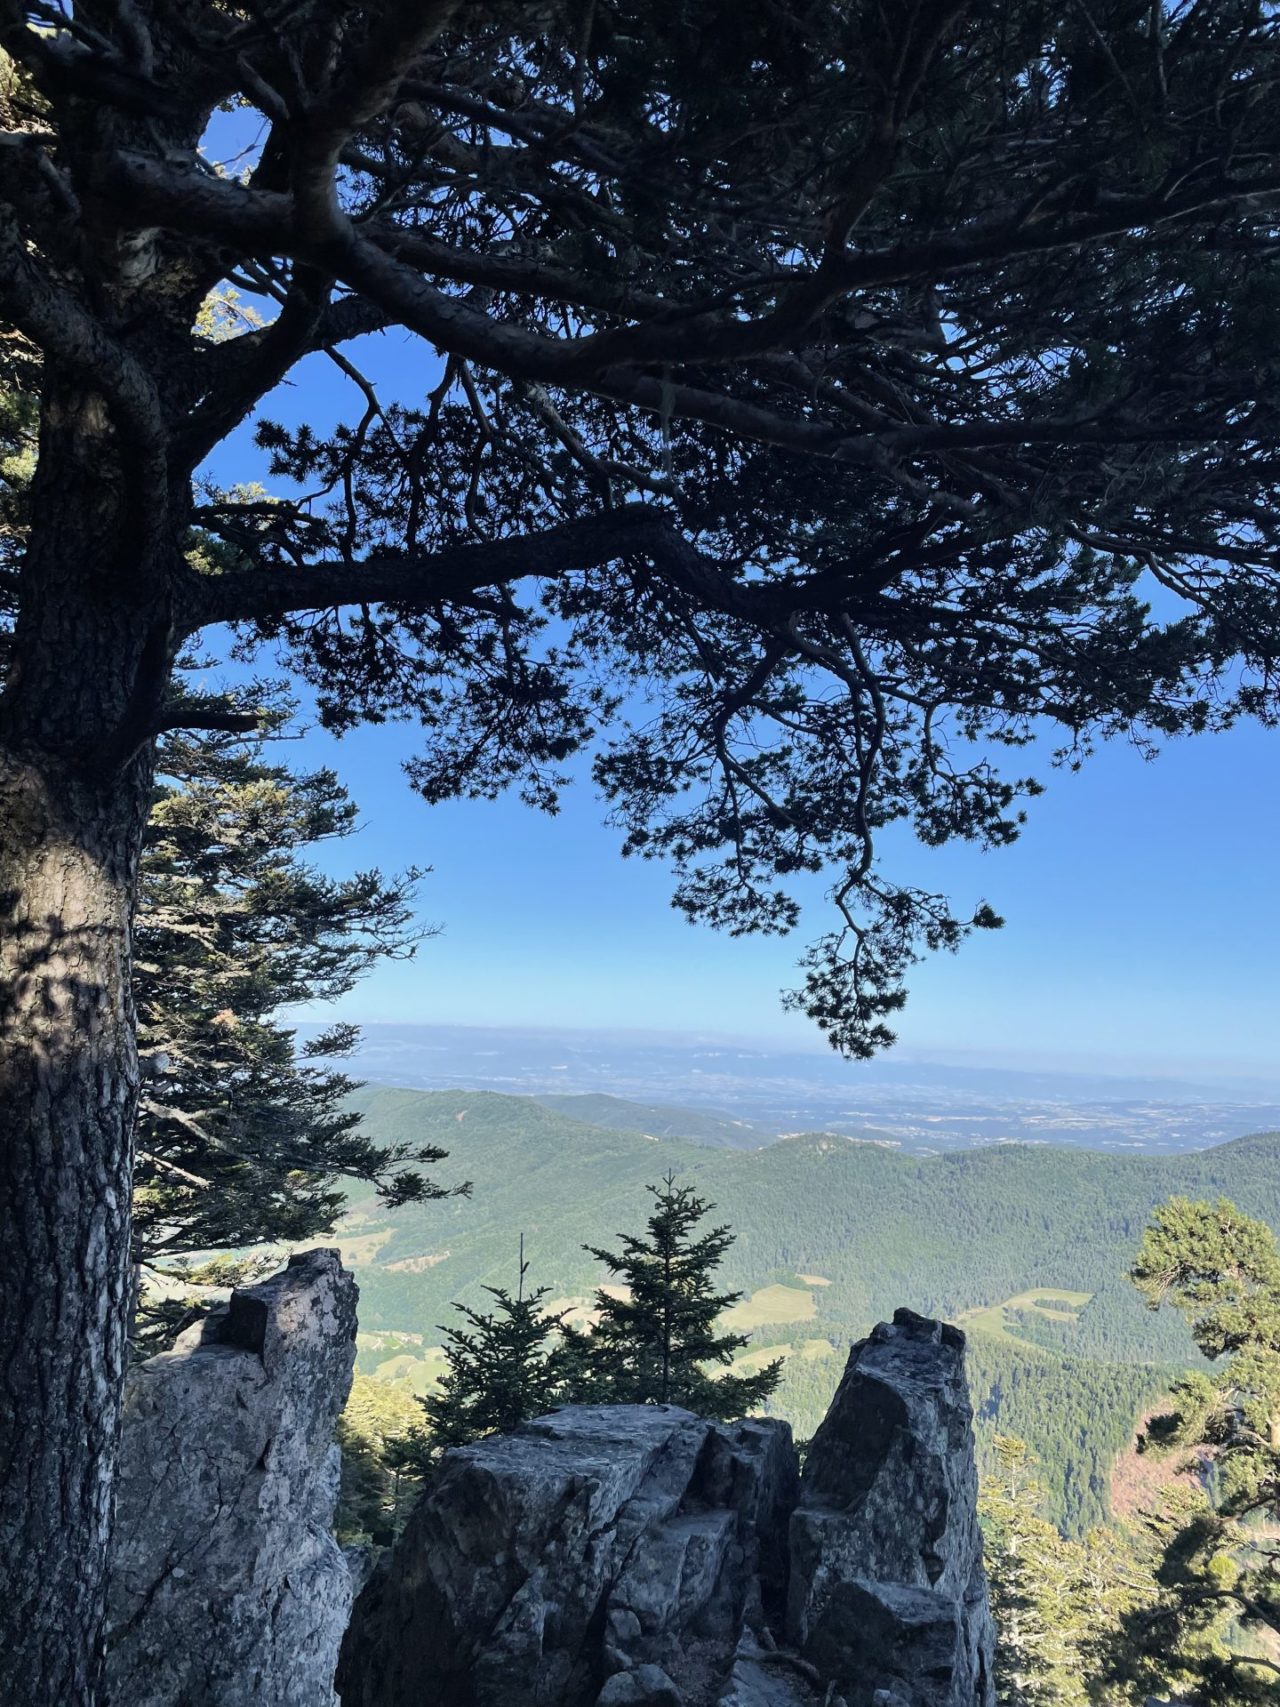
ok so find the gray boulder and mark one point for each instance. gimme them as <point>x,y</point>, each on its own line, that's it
<point>227,1586</point>
<point>604,1554</point>
<point>887,1597</point>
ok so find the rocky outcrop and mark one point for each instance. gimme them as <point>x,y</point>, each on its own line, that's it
<point>227,1586</point>
<point>604,1554</point>
<point>637,1556</point>
<point>887,1597</point>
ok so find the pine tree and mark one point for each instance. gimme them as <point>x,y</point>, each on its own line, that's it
<point>377,1420</point>
<point>841,376</point>
<point>500,1371</point>
<point>1114,1588</point>
<point>243,1137</point>
<point>1034,1577</point>
<point>656,1334</point>
<point>1068,1612</point>
<point>1219,1607</point>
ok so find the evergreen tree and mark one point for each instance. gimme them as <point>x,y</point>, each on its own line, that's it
<point>243,1138</point>
<point>1114,1568</point>
<point>500,1370</point>
<point>1219,1575</point>
<point>1061,1606</point>
<point>240,1139</point>
<point>378,1419</point>
<point>1034,1577</point>
<point>656,1334</point>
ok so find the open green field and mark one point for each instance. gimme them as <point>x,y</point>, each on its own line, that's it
<point>769,1307</point>
<point>750,1362</point>
<point>413,1372</point>
<point>1055,1303</point>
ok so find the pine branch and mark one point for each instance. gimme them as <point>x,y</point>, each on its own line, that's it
<point>454,574</point>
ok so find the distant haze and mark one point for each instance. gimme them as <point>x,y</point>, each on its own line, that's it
<point>921,1104</point>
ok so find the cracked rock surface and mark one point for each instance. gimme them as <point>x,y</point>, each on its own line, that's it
<point>227,1586</point>
<point>887,1596</point>
<point>638,1556</point>
<point>603,1554</point>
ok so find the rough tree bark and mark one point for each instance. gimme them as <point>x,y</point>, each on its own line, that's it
<point>74,787</point>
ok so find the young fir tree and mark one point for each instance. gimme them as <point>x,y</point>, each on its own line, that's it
<point>1218,1610</point>
<point>243,1138</point>
<point>656,1335</point>
<point>500,1370</point>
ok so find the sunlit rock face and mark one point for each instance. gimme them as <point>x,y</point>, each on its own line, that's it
<point>228,1588</point>
<point>603,1556</point>
<point>887,1598</point>
<point>604,1553</point>
<point>638,1556</point>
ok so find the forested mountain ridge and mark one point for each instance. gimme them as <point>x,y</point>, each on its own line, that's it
<point>941,1233</point>
<point>660,1120</point>
<point>832,1235</point>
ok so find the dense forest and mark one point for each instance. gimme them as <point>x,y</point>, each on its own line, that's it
<point>1029,1247</point>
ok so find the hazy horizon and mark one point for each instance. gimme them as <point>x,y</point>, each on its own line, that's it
<point>1086,1063</point>
<point>922,1104</point>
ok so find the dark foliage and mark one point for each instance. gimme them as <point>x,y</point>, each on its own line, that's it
<point>242,1139</point>
<point>502,1369</point>
<point>1217,1608</point>
<point>657,1337</point>
<point>886,383</point>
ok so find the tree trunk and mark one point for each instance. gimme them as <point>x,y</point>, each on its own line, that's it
<point>88,655</point>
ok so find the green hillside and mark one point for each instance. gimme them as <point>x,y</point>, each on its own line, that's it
<point>1028,1245</point>
<point>661,1120</point>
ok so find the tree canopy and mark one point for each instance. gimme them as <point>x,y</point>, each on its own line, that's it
<point>1060,1604</point>
<point>844,391</point>
<point>1220,1573</point>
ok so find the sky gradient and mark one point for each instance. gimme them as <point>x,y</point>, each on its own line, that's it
<point>1143,917</point>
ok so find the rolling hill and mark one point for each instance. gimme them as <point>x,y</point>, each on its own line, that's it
<point>661,1120</point>
<point>1028,1244</point>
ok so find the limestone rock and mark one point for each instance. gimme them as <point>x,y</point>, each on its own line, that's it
<point>613,1549</point>
<point>227,1585</point>
<point>887,1596</point>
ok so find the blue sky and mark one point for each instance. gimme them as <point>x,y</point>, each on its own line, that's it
<point>1143,920</point>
